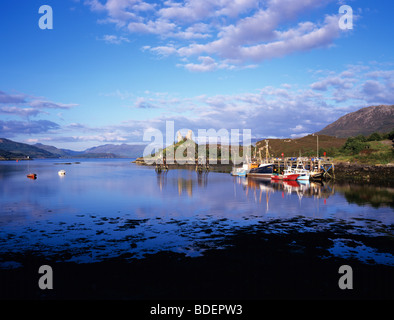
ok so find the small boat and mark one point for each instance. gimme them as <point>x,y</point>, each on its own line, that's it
<point>316,174</point>
<point>238,172</point>
<point>61,173</point>
<point>303,174</point>
<point>290,175</point>
<point>241,171</point>
<point>32,176</point>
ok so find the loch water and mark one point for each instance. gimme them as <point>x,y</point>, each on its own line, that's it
<point>105,208</point>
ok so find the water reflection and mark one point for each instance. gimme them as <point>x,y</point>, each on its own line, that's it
<point>184,181</point>
<point>98,208</point>
<point>304,188</point>
<point>364,194</point>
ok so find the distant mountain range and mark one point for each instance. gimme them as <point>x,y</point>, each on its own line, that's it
<point>364,121</point>
<point>10,149</point>
<point>15,150</point>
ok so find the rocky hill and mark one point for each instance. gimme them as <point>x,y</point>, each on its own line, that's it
<point>364,121</point>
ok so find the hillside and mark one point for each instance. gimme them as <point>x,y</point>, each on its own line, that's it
<point>56,151</point>
<point>12,149</point>
<point>364,121</point>
<point>124,150</point>
<point>307,145</point>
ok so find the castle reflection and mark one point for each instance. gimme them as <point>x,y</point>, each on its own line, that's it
<point>185,181</point>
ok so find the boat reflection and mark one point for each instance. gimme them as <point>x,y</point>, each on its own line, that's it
<point>301,188</point>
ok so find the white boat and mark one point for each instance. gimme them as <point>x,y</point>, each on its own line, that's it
<point>239,172</point>
<point>61,173</point>
<point>304,174</point>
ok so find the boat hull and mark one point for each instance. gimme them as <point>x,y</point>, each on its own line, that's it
<point>303,178</point>
<point>264,171</point>
<point>277,177</point>
<point>290,177</point>
<point>238,174</point>
<point>316,176</point>
<point>260,175</point>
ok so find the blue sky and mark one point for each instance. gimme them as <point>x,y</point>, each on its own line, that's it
<point>111,69</point>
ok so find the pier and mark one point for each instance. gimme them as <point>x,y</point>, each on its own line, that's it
<point>323,164</point>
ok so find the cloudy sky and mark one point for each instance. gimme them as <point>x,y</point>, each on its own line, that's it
<point>110,70</point>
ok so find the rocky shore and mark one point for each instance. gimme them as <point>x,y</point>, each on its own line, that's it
<point>294,262</point>
<point>364,173</point>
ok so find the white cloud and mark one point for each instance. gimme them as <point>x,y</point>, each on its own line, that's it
<point>207,64</point>
<point>25,106</point>
<point>144,103</point>
<point>229,31</point>
<point>22,112</point>
<point>114,39</point>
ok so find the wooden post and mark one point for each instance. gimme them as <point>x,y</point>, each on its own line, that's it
<point>333,172</point>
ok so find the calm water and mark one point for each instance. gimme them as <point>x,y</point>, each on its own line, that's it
<point>108,208</point>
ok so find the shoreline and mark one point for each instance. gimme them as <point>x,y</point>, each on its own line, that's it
<point>343,171</point>
<point>355,172</point>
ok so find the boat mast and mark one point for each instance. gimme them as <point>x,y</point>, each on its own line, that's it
<point>266,151</point>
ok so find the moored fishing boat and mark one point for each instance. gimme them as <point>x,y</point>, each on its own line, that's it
<point>242,171</point>
<point>290,175</point>
<point>304,176</point>
<point>239,172</point>
<point>265,171</point>
<point>316,175</point>
<point>277,176</point>
<point>303,173</point>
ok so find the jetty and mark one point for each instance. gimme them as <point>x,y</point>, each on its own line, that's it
<point>324,165</point>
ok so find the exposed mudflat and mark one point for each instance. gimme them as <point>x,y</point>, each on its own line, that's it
<point>297,258</point>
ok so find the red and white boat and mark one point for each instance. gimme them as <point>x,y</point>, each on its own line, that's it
<point>290,175</point>
<point>277,176</point>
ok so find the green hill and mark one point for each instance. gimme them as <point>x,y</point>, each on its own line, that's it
<point>307,146</point>
<point>11,149</point>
